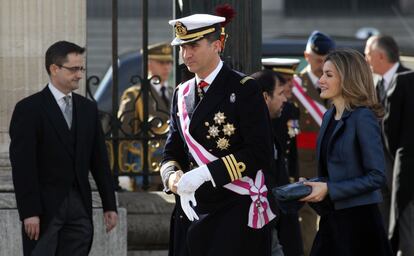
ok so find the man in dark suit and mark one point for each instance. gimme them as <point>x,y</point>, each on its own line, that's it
<point>219,146</point>
<point>56,138</point>
<point>131,114</point>
<point>399,137</point>
<point>382,54</point>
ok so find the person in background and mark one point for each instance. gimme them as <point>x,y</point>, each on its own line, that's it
<point>286,126</point>
<point>398,131</point>
<point>286,239</point>
<point>131,115</point>
<point>382,54</point>
<point>350,156</point>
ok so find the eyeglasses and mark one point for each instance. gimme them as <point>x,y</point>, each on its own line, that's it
<point>73,69</point>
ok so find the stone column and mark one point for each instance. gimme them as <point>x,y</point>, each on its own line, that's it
<point>27,29</point>
<point>244,46</point>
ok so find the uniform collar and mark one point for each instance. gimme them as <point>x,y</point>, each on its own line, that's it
<point>313,77</point>
<point>210,78</point>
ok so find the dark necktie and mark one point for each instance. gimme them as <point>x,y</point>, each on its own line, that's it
<point>380,91</point>
<point>164,96</point>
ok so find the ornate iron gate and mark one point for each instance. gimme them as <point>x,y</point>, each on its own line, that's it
<point>134,144</point>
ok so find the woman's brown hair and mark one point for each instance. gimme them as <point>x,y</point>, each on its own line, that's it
<point>356,80</point>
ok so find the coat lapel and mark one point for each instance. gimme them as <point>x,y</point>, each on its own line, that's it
<point>81,121</point>
<point>57,119</point>
<point>339,126</point>
<point>322,131</point>
<point>213,96</point>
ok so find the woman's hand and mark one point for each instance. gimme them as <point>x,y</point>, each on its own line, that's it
<point>319,192</point>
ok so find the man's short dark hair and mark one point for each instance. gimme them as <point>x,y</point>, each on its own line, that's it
<point>58,52</point>
<point>213,36</point>
<point>389,46</point>
<point>267,80</point>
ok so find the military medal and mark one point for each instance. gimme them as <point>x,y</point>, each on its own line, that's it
<point>223,143</point>
<point>219,118</point>
<point>228,129</point>
<point>293,128</point>
<point>213,131</point>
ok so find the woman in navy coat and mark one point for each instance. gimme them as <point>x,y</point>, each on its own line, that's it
<point>350,156</point>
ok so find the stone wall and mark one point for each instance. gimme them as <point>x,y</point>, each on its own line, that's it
<point>27,29</point>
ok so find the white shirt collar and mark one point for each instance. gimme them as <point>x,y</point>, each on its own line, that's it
<point>56,93</point>
<point>157,87</point>
<point>313,77</point>
<point>389,75</point>
<point>210,78</point>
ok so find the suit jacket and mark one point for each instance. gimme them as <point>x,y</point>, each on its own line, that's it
<point>232,101</point>
<point>398,131</point>
<point>47,163</point>
<point>400,69</point>
<point>355,158</point>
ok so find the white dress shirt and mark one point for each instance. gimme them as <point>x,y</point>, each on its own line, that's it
<point>58,95</point>
<point>210,78</point>
<point>389,75</point>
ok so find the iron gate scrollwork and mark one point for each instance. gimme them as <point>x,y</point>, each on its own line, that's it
<point>136,129</point>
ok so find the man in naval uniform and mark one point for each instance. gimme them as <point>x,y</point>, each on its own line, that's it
<point>218,153</point>
<point>131,111</point>
<point>286,127</point>
<point>312,108</point>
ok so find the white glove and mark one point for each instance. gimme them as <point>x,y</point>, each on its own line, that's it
<point>185,199</point>
<point>193,179</point>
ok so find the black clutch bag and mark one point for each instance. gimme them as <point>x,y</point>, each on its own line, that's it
<point>294,191</point>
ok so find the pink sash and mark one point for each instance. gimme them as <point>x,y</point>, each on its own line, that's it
<point>315,109</point>
<point>259,213</point>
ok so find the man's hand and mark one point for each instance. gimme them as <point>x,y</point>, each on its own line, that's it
<point>32,227</point>
<point>173,180</point>
<point>193,179</point>
<point>110,219</point>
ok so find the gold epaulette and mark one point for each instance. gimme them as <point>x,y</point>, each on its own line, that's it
<point>245,79</point>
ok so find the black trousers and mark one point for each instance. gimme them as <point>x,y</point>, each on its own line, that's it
<point>69,232</point>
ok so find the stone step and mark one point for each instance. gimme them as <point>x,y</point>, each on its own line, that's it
<point>147,253</point>
<point>149,215</point>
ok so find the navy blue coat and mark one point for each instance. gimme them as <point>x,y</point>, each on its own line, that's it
<point>222,228</point>
<point>355,158</point>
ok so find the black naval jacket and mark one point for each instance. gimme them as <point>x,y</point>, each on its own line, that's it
<point>234,105</point>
